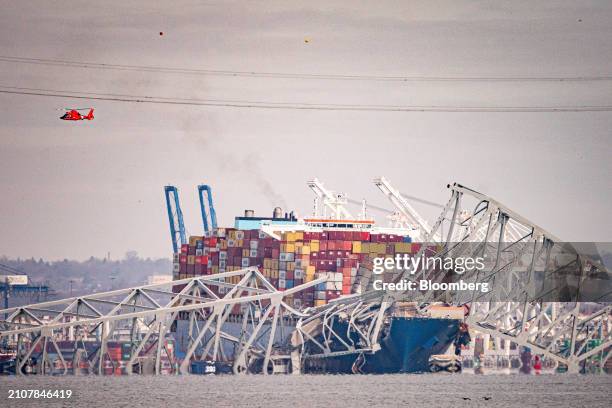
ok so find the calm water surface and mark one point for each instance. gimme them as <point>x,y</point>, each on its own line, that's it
<point>425,390</point>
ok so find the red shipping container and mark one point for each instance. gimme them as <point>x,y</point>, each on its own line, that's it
<point>183,258</point>
<point>332,294</point>
<point>183,268</point>
<point>364,236</point>
<point>198,269</point>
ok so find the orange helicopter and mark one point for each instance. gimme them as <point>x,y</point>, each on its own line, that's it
<point>74,114</point>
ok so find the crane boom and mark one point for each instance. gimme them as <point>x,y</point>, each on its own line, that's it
<point>408,215</point>
<point>334,201</point>
<point>175,218</point>
<point>205,189</point>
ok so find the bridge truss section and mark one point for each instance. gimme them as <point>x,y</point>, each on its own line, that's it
<point>148,314</point>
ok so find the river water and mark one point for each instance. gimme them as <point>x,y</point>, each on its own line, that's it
<point>424,390</point>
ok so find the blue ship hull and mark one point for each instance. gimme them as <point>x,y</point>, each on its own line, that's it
<point>406,345</point>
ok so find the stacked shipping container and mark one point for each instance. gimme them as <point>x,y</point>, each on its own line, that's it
<point>297,258</point>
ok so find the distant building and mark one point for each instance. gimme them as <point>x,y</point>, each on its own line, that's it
<point>156,279</point>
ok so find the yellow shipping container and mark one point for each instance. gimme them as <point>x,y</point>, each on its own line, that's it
<point>191,259</point>
<point>298,244</point>
<point>314,246</point>
<point>290,266</point>
<point>356,247</point>
<point>310,270</point>
<point>193,239</point>
<point>290,248</point>
<point>403,247</point>
<point>299,236</point>
<point>245,253</point>
<point>319,302</point>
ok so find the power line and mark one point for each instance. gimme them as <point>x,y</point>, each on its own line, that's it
<point>290,105</point>
<point>286,75</point>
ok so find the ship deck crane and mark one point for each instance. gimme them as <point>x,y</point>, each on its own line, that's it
<point>204,189</point>
<point>335,202</point>
<point>175,218</point>
<point>407,216</point>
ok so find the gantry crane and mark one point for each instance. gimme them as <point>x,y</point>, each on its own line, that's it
<point>204,189</point>
<point>335,202</point>
<point>175,218</point>
<point>406,216</point>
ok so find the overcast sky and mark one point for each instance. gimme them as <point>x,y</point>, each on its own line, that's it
<point>71,190</point>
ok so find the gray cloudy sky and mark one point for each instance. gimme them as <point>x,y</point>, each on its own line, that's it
<point>80,189</point>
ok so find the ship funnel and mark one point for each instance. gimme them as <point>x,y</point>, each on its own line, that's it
<point>249,213</point>
<point>277,213</point>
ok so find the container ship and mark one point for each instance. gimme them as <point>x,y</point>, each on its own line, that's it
<point>291,251</point>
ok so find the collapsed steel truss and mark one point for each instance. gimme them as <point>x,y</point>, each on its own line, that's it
<point>548,295</point>
<point>564,327</point>
<point>148,312</point>
<point>517,252</point>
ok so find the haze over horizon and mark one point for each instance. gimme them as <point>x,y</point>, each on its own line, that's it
<point>79,189</point>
